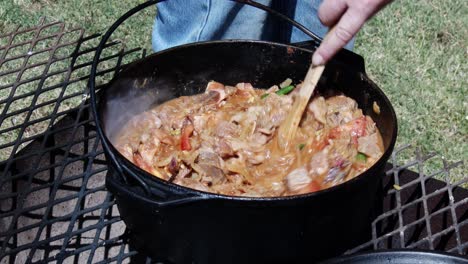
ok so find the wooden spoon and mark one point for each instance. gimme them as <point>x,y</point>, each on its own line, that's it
<point>287,129</point>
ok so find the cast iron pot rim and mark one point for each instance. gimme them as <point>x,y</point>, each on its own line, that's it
<point>392,252</point>
<point>129,167</point>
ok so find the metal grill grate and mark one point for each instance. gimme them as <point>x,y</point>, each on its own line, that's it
<point>53,203</point>
<point>419,211</point>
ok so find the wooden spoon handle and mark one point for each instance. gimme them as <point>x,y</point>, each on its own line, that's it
<point>288,128</point>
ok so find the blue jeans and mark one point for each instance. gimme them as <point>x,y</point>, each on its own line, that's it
<point>186,21</point>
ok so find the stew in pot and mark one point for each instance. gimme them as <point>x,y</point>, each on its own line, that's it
<point>223,141</point>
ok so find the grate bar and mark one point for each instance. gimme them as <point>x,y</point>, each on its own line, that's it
<point>452,207</point>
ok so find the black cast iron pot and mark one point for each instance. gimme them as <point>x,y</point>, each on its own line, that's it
<point>176,224</point>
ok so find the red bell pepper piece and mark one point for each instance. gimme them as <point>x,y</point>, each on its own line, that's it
<point>187,131</point>
<point>358,129</point>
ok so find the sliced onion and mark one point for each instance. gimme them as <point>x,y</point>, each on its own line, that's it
<point>285,83</point>
<point>163,162</point>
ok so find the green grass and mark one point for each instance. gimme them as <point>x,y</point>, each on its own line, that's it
<point>416,51</point>
<point>94,16</point>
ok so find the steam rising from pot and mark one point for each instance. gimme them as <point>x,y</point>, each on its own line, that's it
<point>136,96</point>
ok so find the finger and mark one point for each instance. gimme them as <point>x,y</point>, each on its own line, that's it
<point>330,11</point>
<point>339,36</point>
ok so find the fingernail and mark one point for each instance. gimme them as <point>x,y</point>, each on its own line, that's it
<point>317,59</point>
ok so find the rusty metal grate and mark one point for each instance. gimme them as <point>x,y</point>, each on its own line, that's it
<point>53,202</point>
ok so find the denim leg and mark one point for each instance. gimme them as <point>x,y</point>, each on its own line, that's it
<point>178,22</point>
<point>181,21</point>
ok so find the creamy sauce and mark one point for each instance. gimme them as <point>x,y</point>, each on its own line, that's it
<point>224,141</point>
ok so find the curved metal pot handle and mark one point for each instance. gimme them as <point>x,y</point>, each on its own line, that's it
<point>105,38</point>
<point>157,201</point>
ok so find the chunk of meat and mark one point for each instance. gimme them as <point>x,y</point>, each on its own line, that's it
<point>369,145</point>
<point>355,128</point>
<point>245,89</point>
<point>199,122</point>
<point>126,150</point>
<point>259,139</point>
<point>183,172</point>
<point>238,117</point>
<point>256,156</point>
<point>214,94</point>
<point>163,136</point>
<point>230,89</point>
<point>149,119</point>
<point>337,173</point>
<point>217,96</point>
<point>227,129</point>
<point>163,161</point>
<point>298,179</point>
<point>238,165</point>
<point>212,85</point>
<point>358,128</point>
<point>318,107</point>
<point>211,174</point>
<point>171,117</point>
<point>266,131</point>
<point>154,117</point>
<point>370,126</point>
<point>211,100</point>
<point>341,103</point>
<point>274,111</point>
<point>237,144</point>
<point>254,112</point>
<point>224,149</point>
<point>189,157</point>
<point>209,157</point>
<point>340,110</point>
<point>147,152</point>
<point>209,165</point>
<point>319,163</point>
<point>140,162</point>
<point>343,148</point>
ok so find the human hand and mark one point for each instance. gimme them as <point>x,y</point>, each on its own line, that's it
<point>346,17</point>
